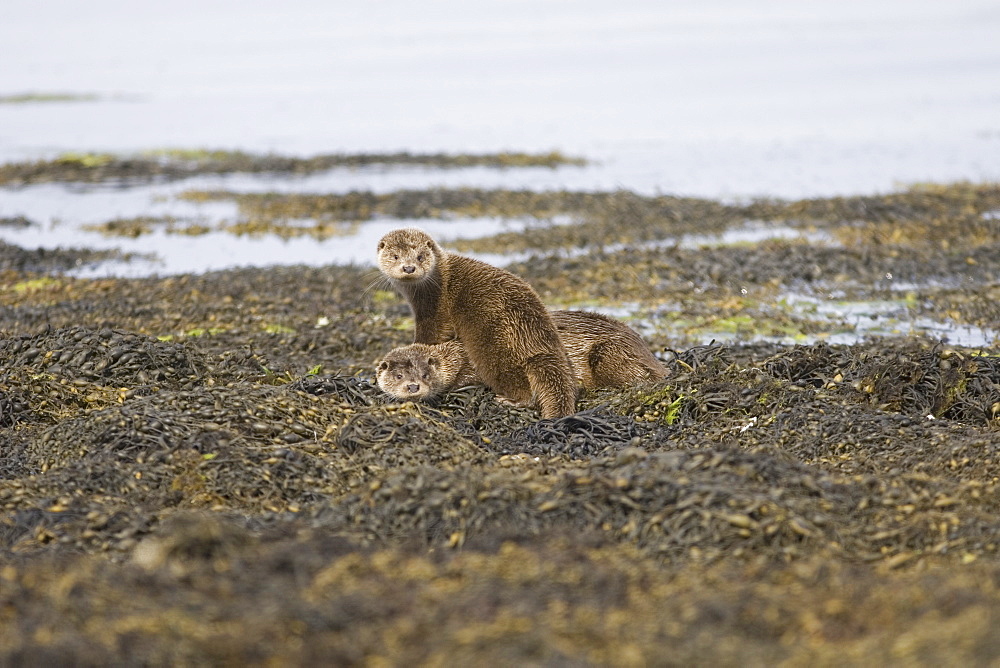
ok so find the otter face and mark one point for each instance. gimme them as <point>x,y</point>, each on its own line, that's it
<point>406,255</point>
<point>405,376</point>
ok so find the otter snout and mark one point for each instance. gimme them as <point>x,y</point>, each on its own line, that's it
<point>413,388</point>
<point>409,269</point>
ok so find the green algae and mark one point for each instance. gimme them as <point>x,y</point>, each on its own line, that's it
<point>47,97</point>
<point>36,284</point>
<point>654,404</point>
<point>277,328</point>
<point>85,160</point>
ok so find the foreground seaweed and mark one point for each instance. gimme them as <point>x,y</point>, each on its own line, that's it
<point>198,469</point>
<point>212,442</point>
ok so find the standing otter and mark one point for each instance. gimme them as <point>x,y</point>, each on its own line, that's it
<point>604,352</point>
<point>505,329</point>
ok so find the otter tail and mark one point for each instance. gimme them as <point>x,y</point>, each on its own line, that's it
<point>552,384</point>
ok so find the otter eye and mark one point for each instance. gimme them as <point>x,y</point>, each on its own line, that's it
<point>427,375</point>
<point>420,257</point>
<point>399,376</point>
<point>395,256</point>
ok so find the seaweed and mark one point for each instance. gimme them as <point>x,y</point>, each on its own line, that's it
<point>199,469</point>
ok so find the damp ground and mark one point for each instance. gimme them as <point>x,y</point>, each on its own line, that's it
<point>197,468</point>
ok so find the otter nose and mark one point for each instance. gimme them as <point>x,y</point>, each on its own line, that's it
<point>409,269</point>
<point>412,388</point>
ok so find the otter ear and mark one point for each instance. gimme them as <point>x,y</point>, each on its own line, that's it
<point>381,245</point>
<point>383,365</point>
<point>432,361</point>
<point>430,244</point>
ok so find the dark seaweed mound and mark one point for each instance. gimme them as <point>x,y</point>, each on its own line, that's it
<point>186,465</point>
<point>199,469</point>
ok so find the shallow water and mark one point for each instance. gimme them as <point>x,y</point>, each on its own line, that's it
<point>180,253</point>
<point>722,99</point>
<point>885,317</point>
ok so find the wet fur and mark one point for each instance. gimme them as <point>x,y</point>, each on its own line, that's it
<point>507,332</point>
<point>420,371</point>
<point>604,352</point>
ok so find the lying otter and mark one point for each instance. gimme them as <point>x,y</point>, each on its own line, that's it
<point>604,352</point>
<point>421,371</point>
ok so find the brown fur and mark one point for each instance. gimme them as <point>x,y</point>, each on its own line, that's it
<point>604,352</point>
<point>507,332</point>
<point>421,371</point>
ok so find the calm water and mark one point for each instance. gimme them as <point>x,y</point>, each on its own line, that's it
<point>720,99</point>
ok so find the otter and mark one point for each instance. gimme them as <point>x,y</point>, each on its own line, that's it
<point>507,332</point>
<point>421,371</point>
<point>604,352</point>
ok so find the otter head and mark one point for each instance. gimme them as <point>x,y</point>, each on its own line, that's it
<point>405,373</point>
<point>407,255</point>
